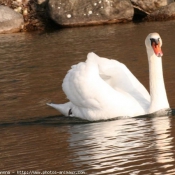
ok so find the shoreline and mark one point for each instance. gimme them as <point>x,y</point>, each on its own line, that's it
<point>36,16</point>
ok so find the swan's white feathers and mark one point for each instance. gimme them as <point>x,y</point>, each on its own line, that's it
<point>75,86</point>
<point>118,76</point>
<point>101,88</point>
<point>63,108</point>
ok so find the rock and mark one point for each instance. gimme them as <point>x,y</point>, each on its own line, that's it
<point>10,21</point>
<point>148,6</point>
<point>162,14</point>
<point>88,12</point>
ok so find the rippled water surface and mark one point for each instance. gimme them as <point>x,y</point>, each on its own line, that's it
<point>32,67</point>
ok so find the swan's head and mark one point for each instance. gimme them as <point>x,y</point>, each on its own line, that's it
<point>153,44</point>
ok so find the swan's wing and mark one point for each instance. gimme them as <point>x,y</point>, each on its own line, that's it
<point>79,83</point>
<point>93,97</point>
<point>118,76</point>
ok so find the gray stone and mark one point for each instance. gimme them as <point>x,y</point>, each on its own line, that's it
<point>164,13</point>
<point>10,21</point>
<point>148,6</point>
<point>88,12</point>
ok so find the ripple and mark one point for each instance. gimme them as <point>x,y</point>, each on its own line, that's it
<point>123,146</point>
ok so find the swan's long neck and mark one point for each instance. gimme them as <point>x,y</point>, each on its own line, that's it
<point>157,87</point>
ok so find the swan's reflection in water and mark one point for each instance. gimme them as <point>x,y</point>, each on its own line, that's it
<point>163,140</point>
<point>131,146</point>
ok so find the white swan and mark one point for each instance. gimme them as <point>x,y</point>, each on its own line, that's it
<point>100,88</point>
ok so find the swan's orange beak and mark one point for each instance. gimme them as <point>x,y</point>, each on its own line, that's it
<point>157,49</point>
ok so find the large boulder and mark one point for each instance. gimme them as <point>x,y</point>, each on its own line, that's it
<point>10,21</point>
<point>88,12</point>
<point>162,14</point>
<point>148,6</point>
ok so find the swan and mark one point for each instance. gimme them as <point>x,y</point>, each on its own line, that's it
<point>101,88</point>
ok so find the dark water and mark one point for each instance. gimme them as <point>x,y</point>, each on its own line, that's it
<point>32,67</point>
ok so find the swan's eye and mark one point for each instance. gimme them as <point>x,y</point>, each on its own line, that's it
<point>155,41</point>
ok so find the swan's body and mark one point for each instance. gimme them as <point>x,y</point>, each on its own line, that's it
<point>100,88</point>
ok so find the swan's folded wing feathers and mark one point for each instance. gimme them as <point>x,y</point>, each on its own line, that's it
<point>70,85</point>
<point>118,76</point>
<point>92,95</point>
<point>75,86</point>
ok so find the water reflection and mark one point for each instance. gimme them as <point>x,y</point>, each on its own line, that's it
<point>123,146</point>
<point>163,140</point>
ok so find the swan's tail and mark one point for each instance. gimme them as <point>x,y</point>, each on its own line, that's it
<point>65,109</point>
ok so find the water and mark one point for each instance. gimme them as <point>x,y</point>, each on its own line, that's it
<point>32,67</point>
